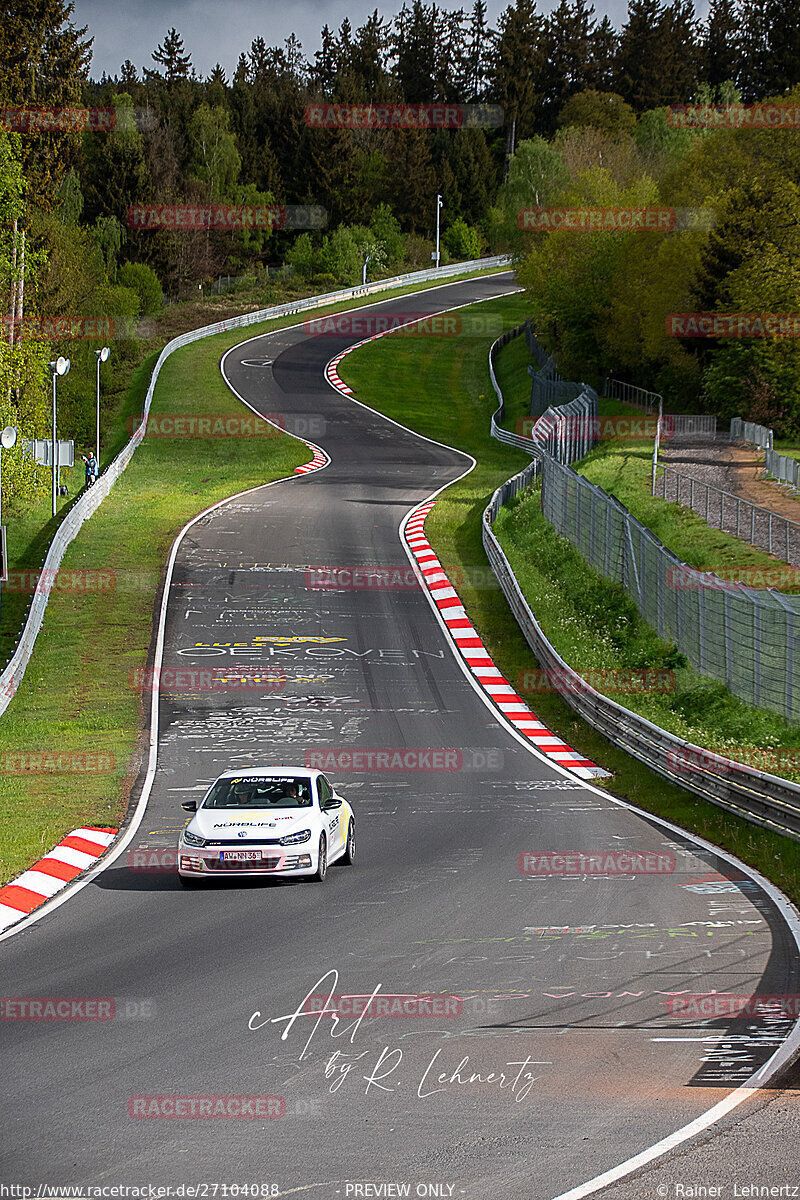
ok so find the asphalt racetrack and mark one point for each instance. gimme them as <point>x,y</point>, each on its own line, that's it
<point>557,1057</point>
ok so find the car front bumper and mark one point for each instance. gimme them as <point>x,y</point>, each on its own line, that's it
<point>211,863</point>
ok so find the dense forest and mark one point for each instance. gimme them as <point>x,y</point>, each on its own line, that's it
<point>558,109</point>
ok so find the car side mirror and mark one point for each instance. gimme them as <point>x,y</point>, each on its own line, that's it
<point>190,806</point>
<point>334,802</point>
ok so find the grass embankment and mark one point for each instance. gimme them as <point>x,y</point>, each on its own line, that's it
<point>76,697</point>
<point>441,389</point>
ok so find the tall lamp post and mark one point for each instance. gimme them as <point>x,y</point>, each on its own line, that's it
<point>438,210</point>
<point>59,367</point>
<point>8,438</point>
<point>102,356</point>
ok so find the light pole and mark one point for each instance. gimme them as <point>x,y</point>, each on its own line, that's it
<point>438,210</point>
<point>102,356</point>
<point>7,439</point>
<point>59,367</point>
<point>656,445</point>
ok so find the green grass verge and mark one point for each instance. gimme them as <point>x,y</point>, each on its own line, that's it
<point>76,698</point>
<point>443,391</point>
<point>594,624</point>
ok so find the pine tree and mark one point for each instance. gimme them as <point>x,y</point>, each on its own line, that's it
<point>567,41</point>
<point>517,67</point>
<point>415,47</point>
<point>217,87</point>
<point>370,57</point>
<point>45,62</point>
<point>413,181</point>
<point>128,76</point>
<point>477,55</point>
<point>719,55</point>
<point>657,57</point>
<point>601,69</point>
<point>326,63</point>
<point>170,55</point>
<point>783,46</point>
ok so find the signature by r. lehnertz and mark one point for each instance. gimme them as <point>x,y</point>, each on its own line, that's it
<point>516,1078</point>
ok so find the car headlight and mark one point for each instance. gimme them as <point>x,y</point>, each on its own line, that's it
<point>292,839</point>
<point>192,839</point>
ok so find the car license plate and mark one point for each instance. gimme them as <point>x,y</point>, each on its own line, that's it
<point>240,855</point>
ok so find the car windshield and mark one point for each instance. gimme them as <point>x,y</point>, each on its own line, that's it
<point>254,791</point>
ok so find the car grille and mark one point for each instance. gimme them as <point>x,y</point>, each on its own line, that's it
<point>263,864</point>
<point>244,844</point>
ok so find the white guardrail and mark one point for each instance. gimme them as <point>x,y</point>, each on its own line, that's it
<point>758,797</point>
<point>90,501</point>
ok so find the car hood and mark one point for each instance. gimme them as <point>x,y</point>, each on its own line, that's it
<point>225,824</point>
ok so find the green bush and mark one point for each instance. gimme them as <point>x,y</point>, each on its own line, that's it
<point>463,240</point>
<point>145,283</point>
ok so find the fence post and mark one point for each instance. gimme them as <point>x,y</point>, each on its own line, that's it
<point>788,694</point>
<point>756,651</point>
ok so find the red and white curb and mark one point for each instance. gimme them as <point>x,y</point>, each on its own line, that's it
<point>478,659</point>
<point>73,854</point>
<point>320,459</point>
<point>465,637</point>
<point>332,375</point>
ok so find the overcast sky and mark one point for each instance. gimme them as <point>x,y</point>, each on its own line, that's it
<point>218,30</point>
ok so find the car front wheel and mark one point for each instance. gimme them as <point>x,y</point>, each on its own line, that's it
<point>322,861</point>
<point>350,847</point>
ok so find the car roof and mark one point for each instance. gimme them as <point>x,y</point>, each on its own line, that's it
<point>270,772</point>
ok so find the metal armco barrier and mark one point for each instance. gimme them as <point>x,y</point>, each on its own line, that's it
<point>758,797</point>
<point>746,431</point>
<point>629,393</point>
<point>90,501</point>
<point>784,468</point>
<point>781,466</point>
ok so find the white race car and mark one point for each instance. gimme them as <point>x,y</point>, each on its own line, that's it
<point>266,821</point>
